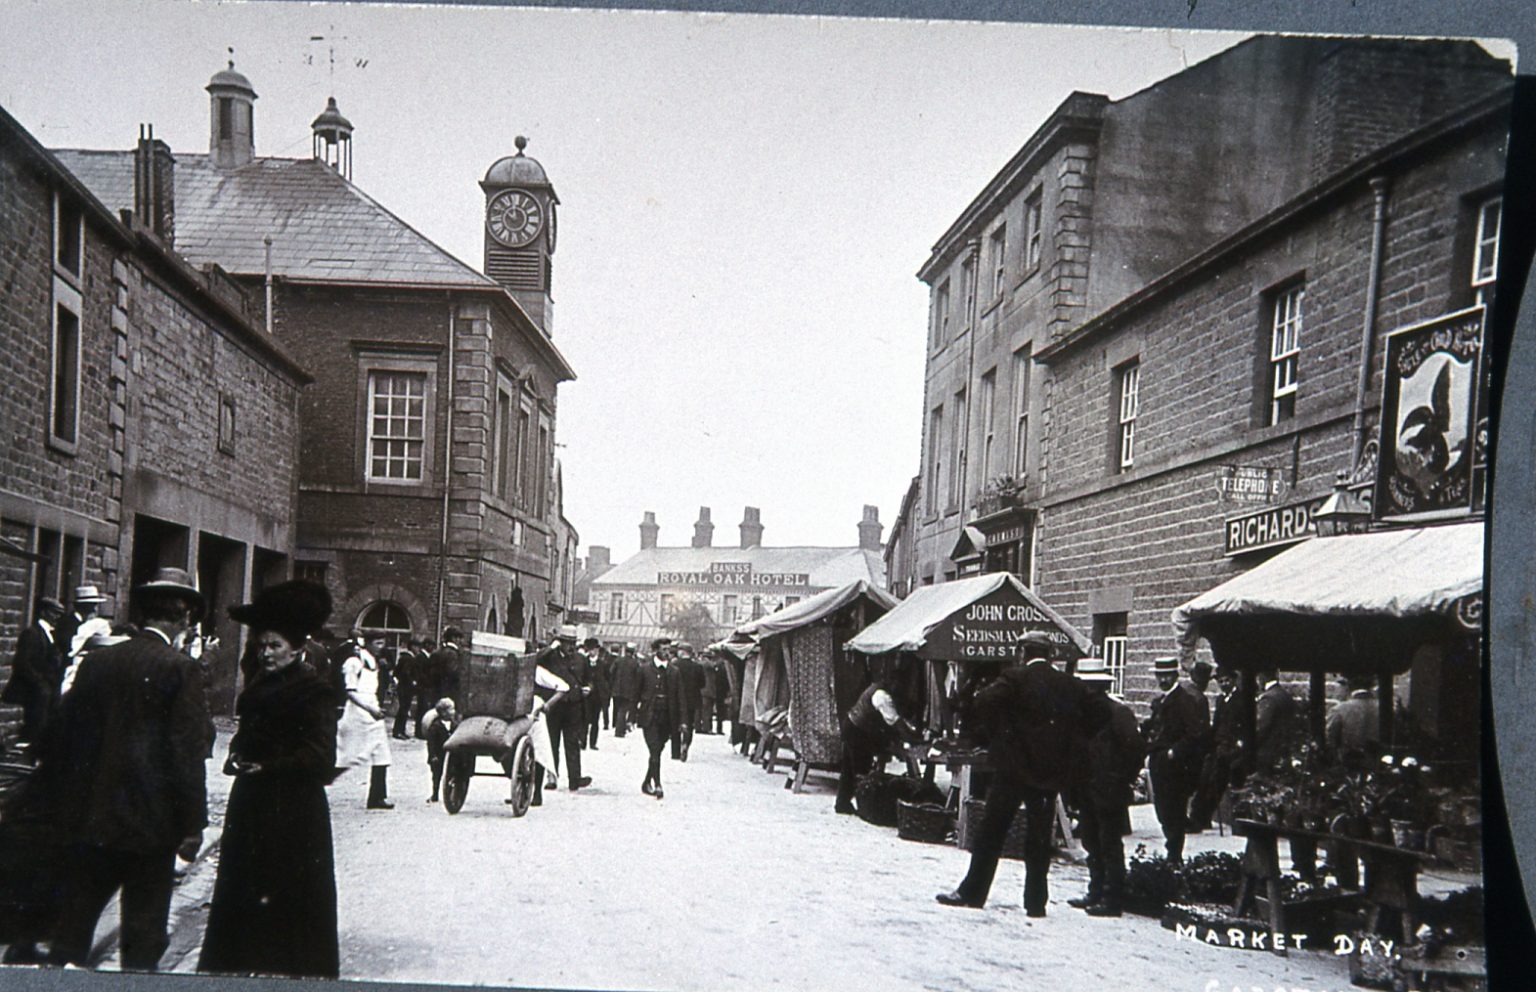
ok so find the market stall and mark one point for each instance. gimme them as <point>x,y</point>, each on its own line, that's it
<point>804,668</point>
<point>961,632</point>
<point>1388,604</point>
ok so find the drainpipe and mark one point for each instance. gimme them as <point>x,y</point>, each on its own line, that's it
<point>973,314</point>
<point>442,557</point>
<point>268,242</point>
<point>1379,186</point>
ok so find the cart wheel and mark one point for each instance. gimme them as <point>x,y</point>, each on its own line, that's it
<point>456,781</point>
<point>523,770</point>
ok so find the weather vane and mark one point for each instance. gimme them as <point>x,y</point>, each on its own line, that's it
<point>330,41</point>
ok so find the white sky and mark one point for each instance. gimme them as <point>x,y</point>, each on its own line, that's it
<point>745,199</point>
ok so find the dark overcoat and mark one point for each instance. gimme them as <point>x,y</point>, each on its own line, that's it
<point>1110,761</point>
<point>123,765</point>
<point>1035,718</point>
<point>1277,724</point>
<point>274,902</point>
<point>37,670</point>
<point>1180,724</point>
<point>672,712</point>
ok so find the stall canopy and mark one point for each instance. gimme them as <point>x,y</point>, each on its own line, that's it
<point>1356,601</point>
<point>808,611</point>
<point>977,619</point>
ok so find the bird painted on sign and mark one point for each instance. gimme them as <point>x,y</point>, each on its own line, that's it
<point>1423,450</point>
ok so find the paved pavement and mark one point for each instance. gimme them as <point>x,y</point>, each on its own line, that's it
<point>730,882</point>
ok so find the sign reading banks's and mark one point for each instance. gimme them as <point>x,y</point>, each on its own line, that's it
<point>1271,527</point>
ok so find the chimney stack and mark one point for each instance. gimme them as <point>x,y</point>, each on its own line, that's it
<point>870,528</point>
<point>154,185</point>
<point>751,527</point>
<point>703,530</point>
<point>648,531</point>
<point>599,558</point>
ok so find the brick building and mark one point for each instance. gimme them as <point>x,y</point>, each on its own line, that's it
<point>149,421</point>
<point>642,597</point>
<point>1155,312</point>
<point>426,469</point>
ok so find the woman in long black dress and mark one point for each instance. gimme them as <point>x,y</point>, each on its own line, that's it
<point>274,901</point>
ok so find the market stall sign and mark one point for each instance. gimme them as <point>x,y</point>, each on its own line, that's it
<point>1433,417</point>
<point>733,573</point>
<point>990,629</point>
<point>1250,484</point>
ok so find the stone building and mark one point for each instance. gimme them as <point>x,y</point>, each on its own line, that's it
<point>149,420</point>
<point>1120,368</point>
<point>426,491</point>
<point>644,596</point>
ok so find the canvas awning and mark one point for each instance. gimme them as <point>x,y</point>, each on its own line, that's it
<point>979,618</point>
<point>1338,603</point>
<point>812,609</point>
<point>736,648</point>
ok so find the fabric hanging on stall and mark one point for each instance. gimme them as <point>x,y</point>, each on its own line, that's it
<point>770,700</point>
<point>813,700</point>
<point>749,689</point>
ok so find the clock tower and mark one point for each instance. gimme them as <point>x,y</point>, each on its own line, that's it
<point>520,208</point>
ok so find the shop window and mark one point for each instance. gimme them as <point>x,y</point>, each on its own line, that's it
<point>757,607</point>
<point>729,610</point>
<point>1485,255</point>
<point>1127,405</point>
<point>1285,320</point>
<point>668,607</point>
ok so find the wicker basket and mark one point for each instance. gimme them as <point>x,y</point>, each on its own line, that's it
<point>930,823</point>
<point>1013,844</point>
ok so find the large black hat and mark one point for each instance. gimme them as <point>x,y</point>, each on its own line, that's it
<point>294,609</point>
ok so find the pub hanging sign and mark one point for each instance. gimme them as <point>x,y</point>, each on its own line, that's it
<point>1430,436</point>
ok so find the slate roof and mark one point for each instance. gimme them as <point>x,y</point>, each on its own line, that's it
<point>827,567</point>
<point>323,228</point>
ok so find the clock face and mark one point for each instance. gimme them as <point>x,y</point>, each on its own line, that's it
<point>514,218</point>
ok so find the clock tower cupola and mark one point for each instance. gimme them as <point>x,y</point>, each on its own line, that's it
<point>520,207</point>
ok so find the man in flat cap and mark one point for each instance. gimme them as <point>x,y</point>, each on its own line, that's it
<point>1033,718</point>
<point>123,773</point>
<point>1176,732</point>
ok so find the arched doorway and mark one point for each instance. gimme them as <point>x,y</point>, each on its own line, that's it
<point>389,621</point>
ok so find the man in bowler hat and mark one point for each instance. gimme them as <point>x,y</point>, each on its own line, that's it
<point>124,776</point>
<point>1105,777</point>
<point>37,669</point>
<point>1177,730</point>
<point>1032,718</point>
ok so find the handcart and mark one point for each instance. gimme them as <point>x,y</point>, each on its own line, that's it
<point>496,706</point>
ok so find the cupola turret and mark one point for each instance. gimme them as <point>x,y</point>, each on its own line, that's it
<point>231,112</point>
<point>520,206</point>
<point>333,139</point>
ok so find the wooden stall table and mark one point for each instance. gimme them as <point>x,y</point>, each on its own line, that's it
<point>1391,873</point>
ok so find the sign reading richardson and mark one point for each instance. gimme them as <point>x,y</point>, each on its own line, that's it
<point>733,573</point>
<point>1429,407</point>
<point>989,630</point>
<point>1249,484</point>
<point>1271,527</point>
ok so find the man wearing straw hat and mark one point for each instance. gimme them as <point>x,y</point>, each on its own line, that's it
<point>124,775</point>
<point>85,623</point>
<point>1106,772</point>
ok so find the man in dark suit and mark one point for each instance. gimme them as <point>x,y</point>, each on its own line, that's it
<point>1102,791</point>
<point>123,773</point>
<point>566,716</point>
<point>1277,723</point>
<point>624,677</point>
<point>597,665</point>
<point>1032,718</point>
<point>445,666</point>
<point>37,669</point>
<point>407,667</point>
<point>660,713</point>
<point>692,677</point>
<point>1177,730</point>
<point>1220,768</point>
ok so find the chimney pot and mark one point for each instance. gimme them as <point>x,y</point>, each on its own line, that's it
<point>870,528</point>
<point>703,530</point>
<point>751,527</point>
<point>648,531</point>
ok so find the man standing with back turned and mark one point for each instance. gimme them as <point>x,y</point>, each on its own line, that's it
<point>1032,718</point>
<point>124,775</point>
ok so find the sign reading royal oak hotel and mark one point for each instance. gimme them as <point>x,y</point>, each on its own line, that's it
<point>733,573</point>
